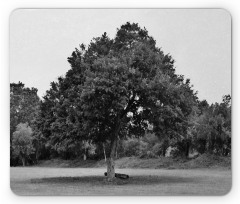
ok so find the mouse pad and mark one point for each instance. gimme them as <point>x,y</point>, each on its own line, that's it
<point>120,102</point>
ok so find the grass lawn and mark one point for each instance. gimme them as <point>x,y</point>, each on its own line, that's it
<point>90,181</point>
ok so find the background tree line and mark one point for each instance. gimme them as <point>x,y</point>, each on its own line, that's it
<point>121,97</point>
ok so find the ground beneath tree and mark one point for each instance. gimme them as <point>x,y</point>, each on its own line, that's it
<point>90,181</point>
<point>202,161</point>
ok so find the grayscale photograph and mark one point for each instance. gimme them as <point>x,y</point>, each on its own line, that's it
<point>120,102</point>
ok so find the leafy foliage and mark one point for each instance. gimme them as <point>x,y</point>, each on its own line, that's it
<point>212,128</point>
<point>117,87</point>
<point>24,104</point>
<point>22,141</point>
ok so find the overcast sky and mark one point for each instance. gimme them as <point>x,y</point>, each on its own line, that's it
<point>198,39</point>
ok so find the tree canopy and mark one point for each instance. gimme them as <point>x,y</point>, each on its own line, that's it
<point>23,104</point>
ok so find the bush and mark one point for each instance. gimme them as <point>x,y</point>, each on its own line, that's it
<point>22,142</point>
<point>157,149</point>
<point>148,146</point>
<point>131,147</point>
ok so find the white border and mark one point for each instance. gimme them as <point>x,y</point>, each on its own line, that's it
<point>7,6</point>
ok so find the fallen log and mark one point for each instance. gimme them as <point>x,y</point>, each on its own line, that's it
<point>121,176</point>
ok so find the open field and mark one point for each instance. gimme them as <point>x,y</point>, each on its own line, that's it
<point>90,181</point>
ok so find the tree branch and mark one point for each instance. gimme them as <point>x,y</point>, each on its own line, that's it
<point>130,103</point>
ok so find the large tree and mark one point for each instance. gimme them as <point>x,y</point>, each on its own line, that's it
<point>117,88</point>
<point>24,104</point>
<point>211,130</point>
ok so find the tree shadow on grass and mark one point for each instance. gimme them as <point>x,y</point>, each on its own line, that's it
<point>101,180</point>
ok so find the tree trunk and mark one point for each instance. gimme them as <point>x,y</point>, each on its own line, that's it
<point>110,160</point>
<point>116,154</point>
<point>110,169</point>
<point>104,152</point>
<point>23,161</point>
<point>187,149</point>
<point>112,153</point>
<point>164,149</point>
<point>85,154</point>
<point>37,153</point>
<point>210,146</point>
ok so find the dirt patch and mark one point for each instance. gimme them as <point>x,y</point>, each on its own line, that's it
<point>99,180</point>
